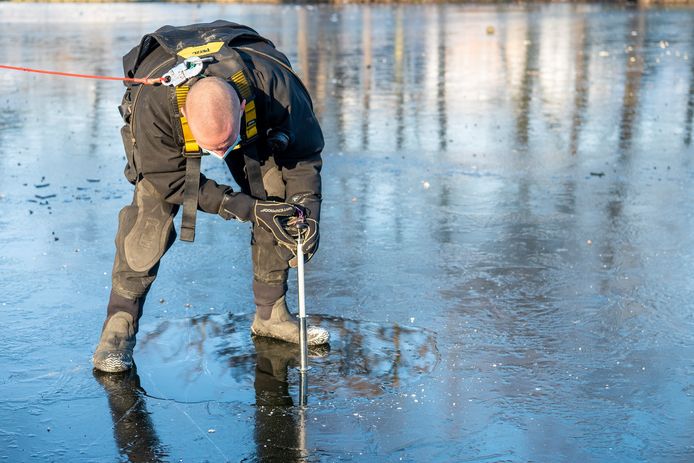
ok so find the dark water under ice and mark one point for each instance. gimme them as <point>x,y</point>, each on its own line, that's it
<point>506,257</point>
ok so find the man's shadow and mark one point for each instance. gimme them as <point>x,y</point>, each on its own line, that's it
<point>133,430</point>
<point>279,425</point>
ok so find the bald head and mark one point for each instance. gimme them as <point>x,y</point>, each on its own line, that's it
<point>213,112</point>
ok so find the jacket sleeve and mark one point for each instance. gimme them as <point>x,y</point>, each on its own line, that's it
<point>158,156</point>
<point>291,111</point>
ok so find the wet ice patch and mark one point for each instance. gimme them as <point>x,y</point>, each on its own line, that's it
<point>214,358</point>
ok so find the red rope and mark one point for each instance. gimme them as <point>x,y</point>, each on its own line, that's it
<point>156,80</point>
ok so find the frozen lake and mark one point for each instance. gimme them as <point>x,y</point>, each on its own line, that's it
<point>506,259</point>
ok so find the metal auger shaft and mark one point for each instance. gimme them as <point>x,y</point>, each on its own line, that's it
<point>302,304</point>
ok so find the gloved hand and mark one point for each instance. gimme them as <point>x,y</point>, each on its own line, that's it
<point>310,236</point>
<point>273,216</point>
<point>307,225</point>
<point>280,219</point>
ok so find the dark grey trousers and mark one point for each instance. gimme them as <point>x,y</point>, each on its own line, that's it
<point>146,231</point>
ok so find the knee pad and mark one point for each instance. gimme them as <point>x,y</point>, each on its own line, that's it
<point>152,231</point>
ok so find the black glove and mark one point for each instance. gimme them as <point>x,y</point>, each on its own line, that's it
<point>309,229</point>
<point>273,216</point>
<point>237,206</point>
<point>280,219</point>
<point>310,237</point>
<point>309,203</point>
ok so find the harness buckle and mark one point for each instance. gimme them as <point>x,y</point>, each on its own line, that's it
<point>194,154</point>
<point>190,67</point>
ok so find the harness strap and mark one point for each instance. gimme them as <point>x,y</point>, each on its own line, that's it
<point>191,147</point>
<point>252,163</point>
<point>255,176</point>
<point>190,199</point>
<point>193,155</point>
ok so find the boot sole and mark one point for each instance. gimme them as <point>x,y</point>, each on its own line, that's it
<point>113,363</point>
<point>315,336</point>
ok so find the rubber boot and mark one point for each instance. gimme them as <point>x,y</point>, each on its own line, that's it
<point>284,326</point>
<point>114,353</point>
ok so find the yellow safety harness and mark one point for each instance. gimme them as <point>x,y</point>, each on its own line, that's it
<point>193,153</point>
<point>191,147</point>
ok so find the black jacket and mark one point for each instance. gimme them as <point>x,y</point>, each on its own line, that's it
<point>152,134</point>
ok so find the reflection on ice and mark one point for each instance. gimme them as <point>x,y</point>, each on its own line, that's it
<point>133,429</point>
<point>214,358</point>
